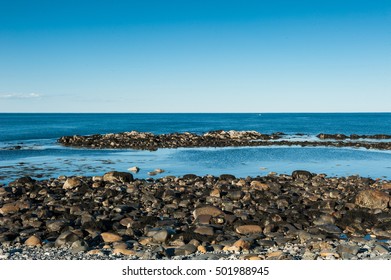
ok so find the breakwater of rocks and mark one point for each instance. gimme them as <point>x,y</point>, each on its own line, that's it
<point>150,141</point>
<point>297,216</point>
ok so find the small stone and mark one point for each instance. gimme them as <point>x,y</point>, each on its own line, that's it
<point>9,208</point>
<point>201,249</point>
<point>110,237</point>
<point>71,183</point>
<point>330,228</point>
<point>126,222</point>
<point>185,250</point>
<point>231,249</point>
<point>350,249</point>
<point>301,174</point>
<point>123,251</point>
<point>381,249</point>
<point>204,219</point>
<point>207,210</point>
<point>115,177</point>
<point>215,193</point>
<point>33,241</point>
<point>66,237</point>
<point>134,169</point>
<point>158,170</point>
<point>248,229</point>
<point>95,252</point>
<point>275,255</point>
<point>328,254</point>
<point>243,244</point>
<point>373,199</point>
<point>161,236</point>
<point>120,245</point>
<point>145,241</point>
<point>308,255</point>
<point>204,230</point>
<point>304,236</point>
<point>256,185</point>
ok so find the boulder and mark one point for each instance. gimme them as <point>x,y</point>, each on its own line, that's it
<point>373,199</point>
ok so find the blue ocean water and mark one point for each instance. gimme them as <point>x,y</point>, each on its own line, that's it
<point>42,157</point>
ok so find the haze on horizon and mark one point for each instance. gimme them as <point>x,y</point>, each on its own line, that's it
<point>195,56</point>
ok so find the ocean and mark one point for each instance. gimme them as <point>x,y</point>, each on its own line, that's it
<point>40,156</point>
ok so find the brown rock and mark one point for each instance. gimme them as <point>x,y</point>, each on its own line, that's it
<point>9,208</point>
<point>207,210</point>
<point>373,199</point>
<point>33,241</point>
<point>276,255</point>
<point>71,183</point>
<point>160,236</point>
<point>386,186</point>
<point>327,253</point>
<point>248,229</point>
<point>243,244</point>
<point>204,230</point>
<point>215,193</point>
<point>123,251</point>
<point>201,249</point>
<point>231,248</point>
<point>126,222</point>
<point>204,219</point>
<point>256,185</point>
<point>95,252</point>
<point>110,237</point>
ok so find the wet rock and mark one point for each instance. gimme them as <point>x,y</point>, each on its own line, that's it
<point>134,169</point>
<point>115,176</point>
<point>227,177</point>
<point>301,174</point>
<point>373,199</point>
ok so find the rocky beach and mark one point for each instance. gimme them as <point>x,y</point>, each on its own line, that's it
<point>118,216</point>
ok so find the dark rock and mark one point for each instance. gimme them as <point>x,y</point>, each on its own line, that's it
<point>301,174</point>
<point>115,176</point>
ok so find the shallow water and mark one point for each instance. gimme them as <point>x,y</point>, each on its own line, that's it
<point>39,156</point>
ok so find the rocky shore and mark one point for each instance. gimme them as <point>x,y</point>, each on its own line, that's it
<point>149,141</point>
<point>296,216</point>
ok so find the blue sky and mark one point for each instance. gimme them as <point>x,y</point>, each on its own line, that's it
<point>195,56</point>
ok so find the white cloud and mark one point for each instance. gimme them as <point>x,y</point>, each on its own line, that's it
<point>20,95</point>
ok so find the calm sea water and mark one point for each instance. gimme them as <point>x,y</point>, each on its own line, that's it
<point>42,157</point>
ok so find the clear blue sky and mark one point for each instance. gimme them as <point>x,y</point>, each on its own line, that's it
<point>195,56</point>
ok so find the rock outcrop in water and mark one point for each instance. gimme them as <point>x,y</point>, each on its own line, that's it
<point>149,141</point>
<point>298,216</point>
